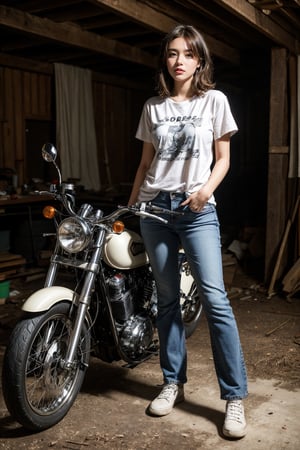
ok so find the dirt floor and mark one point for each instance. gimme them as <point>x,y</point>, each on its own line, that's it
<point>110,412</point>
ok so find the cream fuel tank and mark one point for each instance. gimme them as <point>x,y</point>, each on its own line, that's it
<point>124,251</point>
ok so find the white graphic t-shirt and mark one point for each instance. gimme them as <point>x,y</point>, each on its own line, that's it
<point>182,134</point>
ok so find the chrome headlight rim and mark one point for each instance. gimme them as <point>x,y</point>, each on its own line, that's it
<point>74,235</point>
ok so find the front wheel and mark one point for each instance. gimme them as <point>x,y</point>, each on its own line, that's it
<point>38,389</point>
<point>191,310</point>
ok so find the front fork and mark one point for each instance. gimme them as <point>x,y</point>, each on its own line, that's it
<point>52,271</point>
<point>84,300</point>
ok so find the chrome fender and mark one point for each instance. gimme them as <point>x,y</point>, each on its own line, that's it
<point>45,298</point>
<point>186,282</point>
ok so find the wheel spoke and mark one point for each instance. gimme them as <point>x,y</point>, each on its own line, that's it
<point>47,383</point>
<point>37,388</point>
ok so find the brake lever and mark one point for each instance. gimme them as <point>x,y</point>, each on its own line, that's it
<point>152,216</point>
<point>143,209</point>
<point>139,209</point>
<point>157,209</point>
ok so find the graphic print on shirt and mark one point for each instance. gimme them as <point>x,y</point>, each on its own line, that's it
<point>177,140</point>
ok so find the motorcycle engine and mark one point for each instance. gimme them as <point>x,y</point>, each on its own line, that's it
<point>136,335</point>
<point>133,302</point>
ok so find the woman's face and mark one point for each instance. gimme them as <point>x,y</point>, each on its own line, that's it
<point>181,62</point>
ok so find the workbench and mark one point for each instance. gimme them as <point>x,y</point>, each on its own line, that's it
<point>19,215</point>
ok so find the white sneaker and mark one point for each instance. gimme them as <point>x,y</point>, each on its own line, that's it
<point>235,422</point>
<point>170,395</point>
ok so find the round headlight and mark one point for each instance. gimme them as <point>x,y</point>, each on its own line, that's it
<point>73,235</point>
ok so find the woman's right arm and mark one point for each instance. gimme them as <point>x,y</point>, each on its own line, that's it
<point>145,162</point>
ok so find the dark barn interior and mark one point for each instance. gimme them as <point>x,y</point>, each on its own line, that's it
<point>255,47</point>
<point>254,44</point>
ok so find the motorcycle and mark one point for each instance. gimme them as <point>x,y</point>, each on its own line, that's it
<point>109,312</point>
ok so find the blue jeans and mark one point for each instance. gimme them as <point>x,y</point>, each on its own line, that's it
<point>199,235</point>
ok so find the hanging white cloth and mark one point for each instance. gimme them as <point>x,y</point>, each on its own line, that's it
<point>75,125</point>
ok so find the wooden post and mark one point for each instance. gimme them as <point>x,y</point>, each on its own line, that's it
<point>278,160</point>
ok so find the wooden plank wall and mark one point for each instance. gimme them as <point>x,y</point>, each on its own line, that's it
<point>30,95</point>
<point>25,95</point>
<point>117,111</point>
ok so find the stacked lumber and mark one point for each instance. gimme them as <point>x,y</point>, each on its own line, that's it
<point>291,281</point>
<point>10,265</point>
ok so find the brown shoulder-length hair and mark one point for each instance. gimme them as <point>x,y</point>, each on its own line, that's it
<point>203,77</point>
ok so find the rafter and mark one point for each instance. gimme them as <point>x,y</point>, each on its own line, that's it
<point>144,14</point>
<point>256,18</point>
<point>69,34</point>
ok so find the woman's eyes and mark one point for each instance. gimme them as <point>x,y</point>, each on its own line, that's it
<point>171,54</point>
<point>174,55</point>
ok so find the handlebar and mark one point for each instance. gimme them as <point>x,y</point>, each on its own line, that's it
<point>143,210</point>
<point>66,198</point>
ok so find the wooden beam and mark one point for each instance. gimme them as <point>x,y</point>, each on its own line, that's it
<point>279,149</point>
<point>27,64</point>
<point>247,12</point>
<point>147,16</point>
<point>140,13</point>
<point>278,162</point>
<point>69,34</point>
<point>35,6</point>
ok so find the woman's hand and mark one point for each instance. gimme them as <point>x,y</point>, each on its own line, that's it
<point>197,200</point>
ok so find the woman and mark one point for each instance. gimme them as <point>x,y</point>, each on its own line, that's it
<point>185,130</point>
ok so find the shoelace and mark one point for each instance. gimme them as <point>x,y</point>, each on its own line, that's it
<point>235,411</point>
<point>167,391</point>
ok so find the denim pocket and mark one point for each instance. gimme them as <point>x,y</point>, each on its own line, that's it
<point>207,209</point>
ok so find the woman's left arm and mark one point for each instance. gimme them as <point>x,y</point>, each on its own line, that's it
<point>221,166</point>
<point>197,200</point>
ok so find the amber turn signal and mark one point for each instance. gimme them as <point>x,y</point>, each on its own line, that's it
<point>118,226</point>
<point>49,212</point>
